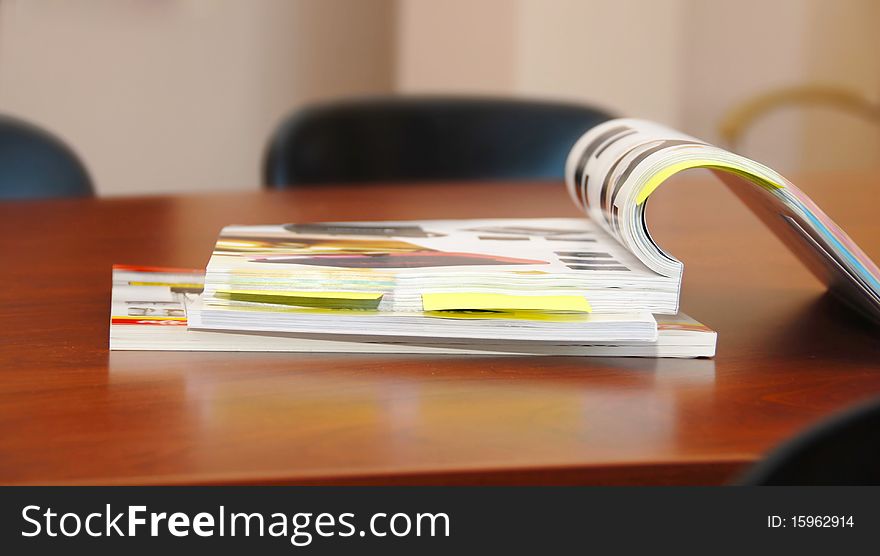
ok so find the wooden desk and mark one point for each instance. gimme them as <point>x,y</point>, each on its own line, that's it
<point>72,412</point>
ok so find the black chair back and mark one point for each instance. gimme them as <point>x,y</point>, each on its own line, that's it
<point>425,139</point>
<point>842,450</point>
<point>35,164</point>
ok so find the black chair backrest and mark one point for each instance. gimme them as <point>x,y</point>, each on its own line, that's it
<point>424,139</point>
<point>842,450</point>
<point>35,164</point>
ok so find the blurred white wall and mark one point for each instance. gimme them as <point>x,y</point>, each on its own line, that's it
<point>584,51</point>
<point>736,50</point>
<point>845,50</point>
<point>621,54</point>
<point>164,96</point>
<point>181,95</point>
<point>456,46</point>
<point>681,62</point>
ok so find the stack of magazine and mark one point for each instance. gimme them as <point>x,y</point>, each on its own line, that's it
<point>542,286</point>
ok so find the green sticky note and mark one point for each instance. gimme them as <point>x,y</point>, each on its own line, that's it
<point>324,300</point>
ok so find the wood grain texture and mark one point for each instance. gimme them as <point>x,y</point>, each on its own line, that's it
<point>72,412</point>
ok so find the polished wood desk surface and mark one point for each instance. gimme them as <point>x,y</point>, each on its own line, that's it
<point>72,412</point>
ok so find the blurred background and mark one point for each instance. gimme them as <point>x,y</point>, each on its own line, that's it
<point>161,96</point>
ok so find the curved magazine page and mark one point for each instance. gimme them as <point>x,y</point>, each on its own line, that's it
<point>613,169</point>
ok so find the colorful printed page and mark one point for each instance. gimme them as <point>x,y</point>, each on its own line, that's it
<point>153,296</point>
<point>613,169</point>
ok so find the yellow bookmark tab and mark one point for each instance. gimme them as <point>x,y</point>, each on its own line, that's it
<point>669,171</point>
<point>504,302</point>
<point>193,285</point>
<point>327,300</point>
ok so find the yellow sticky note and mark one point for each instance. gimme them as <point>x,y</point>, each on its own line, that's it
<point>192,286</point>
<point>664,174</point>
<point>538,316</point>
<point>504,302</point>
<point>331,300</point>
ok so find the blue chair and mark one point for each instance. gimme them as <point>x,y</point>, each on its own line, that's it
<point>425,139</point>
<point>35,164</point>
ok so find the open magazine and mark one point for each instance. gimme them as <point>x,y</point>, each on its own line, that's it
<point>552,279</point>
<point>533,285</point>
<point>595,279</point>
<point>613,169</point>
